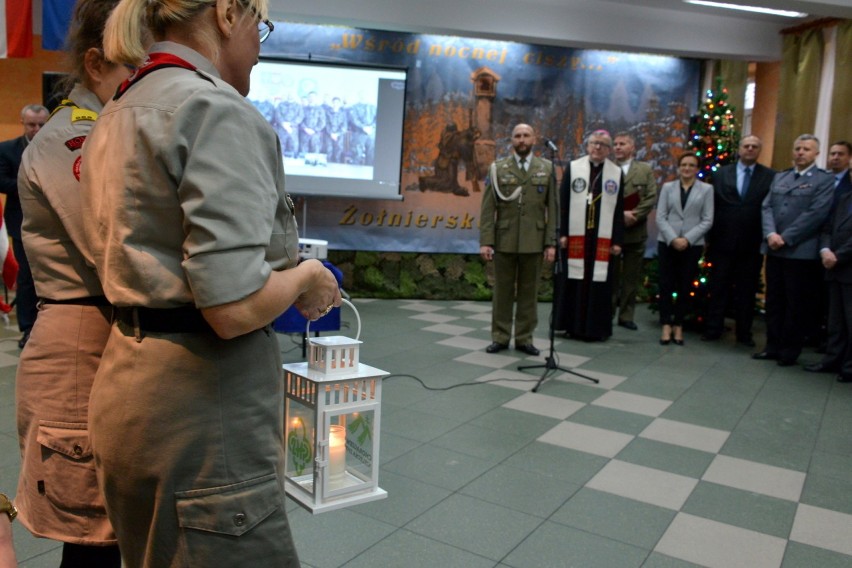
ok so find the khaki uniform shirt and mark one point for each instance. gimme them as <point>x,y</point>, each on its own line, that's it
<point>526,224</point>
<point>195,211</point>
<point>49,187</point>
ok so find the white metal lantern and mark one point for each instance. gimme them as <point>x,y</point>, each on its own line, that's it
<point>333,418</point>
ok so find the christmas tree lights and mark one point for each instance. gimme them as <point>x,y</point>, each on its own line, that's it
<point>714,134</point>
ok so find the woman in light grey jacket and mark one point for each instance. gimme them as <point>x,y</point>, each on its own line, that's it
<point>684,216</point>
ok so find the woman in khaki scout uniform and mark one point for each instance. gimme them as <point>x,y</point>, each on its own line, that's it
<point>195,242</point>
<point>58,494</point>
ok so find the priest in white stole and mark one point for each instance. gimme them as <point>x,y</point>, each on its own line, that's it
<point>591,230</point>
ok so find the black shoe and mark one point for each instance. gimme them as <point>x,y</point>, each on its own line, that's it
<point>23,340</point>
<point>496,347</point>
<point>665,341</point>
<point>678,342</point>
<point>529,349</point>
<point>628,325</point>
<point>820,368</point>
<point>747,341</point>
<point>786,362</point>
<point>841,378</point>
<point>711,337</point>
<point>765,356</point>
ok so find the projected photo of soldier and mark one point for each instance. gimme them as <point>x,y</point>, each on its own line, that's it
<point>288,118</point>
<point>336,127</point>
<point>362,124</point>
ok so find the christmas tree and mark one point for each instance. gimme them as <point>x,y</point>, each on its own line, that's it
<point>714,134</point>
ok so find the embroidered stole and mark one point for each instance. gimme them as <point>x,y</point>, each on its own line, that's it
<point>581,217</point>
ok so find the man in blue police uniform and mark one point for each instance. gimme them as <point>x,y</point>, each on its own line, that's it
<point>794,211</point>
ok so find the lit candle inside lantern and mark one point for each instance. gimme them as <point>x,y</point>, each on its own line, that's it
<point>336,456</point>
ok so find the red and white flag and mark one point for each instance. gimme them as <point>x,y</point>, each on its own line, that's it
<point>16,28</point>
<point>9,264</point>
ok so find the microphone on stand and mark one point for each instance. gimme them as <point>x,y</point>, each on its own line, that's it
<point>550,144</point>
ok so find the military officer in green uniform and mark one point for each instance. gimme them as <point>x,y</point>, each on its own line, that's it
<point>640,194</point>
<point>517,232</point>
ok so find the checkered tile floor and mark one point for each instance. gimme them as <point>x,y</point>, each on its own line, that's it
<point>679,456</point>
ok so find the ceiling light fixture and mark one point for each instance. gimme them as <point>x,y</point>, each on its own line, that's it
<point>759,10</point>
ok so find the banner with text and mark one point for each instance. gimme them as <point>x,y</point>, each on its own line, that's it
<point>463,98</point>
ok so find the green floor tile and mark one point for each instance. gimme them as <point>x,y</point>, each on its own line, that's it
<point>744,509</point>
<point>667,457</point>
<point>800,555</point>
<point>555,546</point>
<point>611,419</point>
<point>618,518</point>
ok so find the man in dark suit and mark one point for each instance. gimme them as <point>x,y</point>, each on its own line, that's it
<point>640,194</point>
<point>734,241</point>
<point>33,118</point>
<point>794,211</point>
<point>838,166</point>
<point>836,256</point>
<point>518,232</point>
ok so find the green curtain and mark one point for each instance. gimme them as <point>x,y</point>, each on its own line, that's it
<point>734,76</point>
<point>799,92</point>
<point>840,127</point>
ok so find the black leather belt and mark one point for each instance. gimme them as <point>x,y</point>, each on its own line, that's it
<point>87,301</point>
<point>169,320</point>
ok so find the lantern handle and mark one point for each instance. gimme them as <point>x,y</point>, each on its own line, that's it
<point>357,318</point>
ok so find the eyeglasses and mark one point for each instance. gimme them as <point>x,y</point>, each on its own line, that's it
<point>598,144</point>
<point>264,27</point>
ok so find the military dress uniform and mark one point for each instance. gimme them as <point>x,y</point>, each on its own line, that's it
<point>337,123</point>
<point>58,492</point>
<point>188,211</point>
<point>518,230</point>
<point>315,120</point>
<point>796,207</point>
<point>640,194</point>
<point>289,113</point>
<point>362,117</point>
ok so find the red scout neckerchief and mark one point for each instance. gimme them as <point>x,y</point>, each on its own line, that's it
<point>153,62</point>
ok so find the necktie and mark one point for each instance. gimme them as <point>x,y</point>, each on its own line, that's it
<point>523,164</point>
<point>797,175</point>
<point>746,181</point>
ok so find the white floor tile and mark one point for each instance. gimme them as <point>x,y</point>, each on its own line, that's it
<point>718,545</point>
<point>475,307</point>
<point>605,380</point>
<point>8,359</point>
<point>480,317</point>
<point>464,342</point>
<point>644,484</point>
<point>587,439</point>
<point>448,329</point>
<point>543,405</point>
<point>421,307</point>
<point>492,360</point>
<point>686,435</point>
<point>756,477</point>
<point>645,405</point>
<point>434,317</point>
<point>823,528</point>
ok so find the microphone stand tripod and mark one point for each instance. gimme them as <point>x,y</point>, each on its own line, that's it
<point>550,364</point>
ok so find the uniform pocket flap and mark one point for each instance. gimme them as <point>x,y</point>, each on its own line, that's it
<point>67,438</point>
<point>229,509</point>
